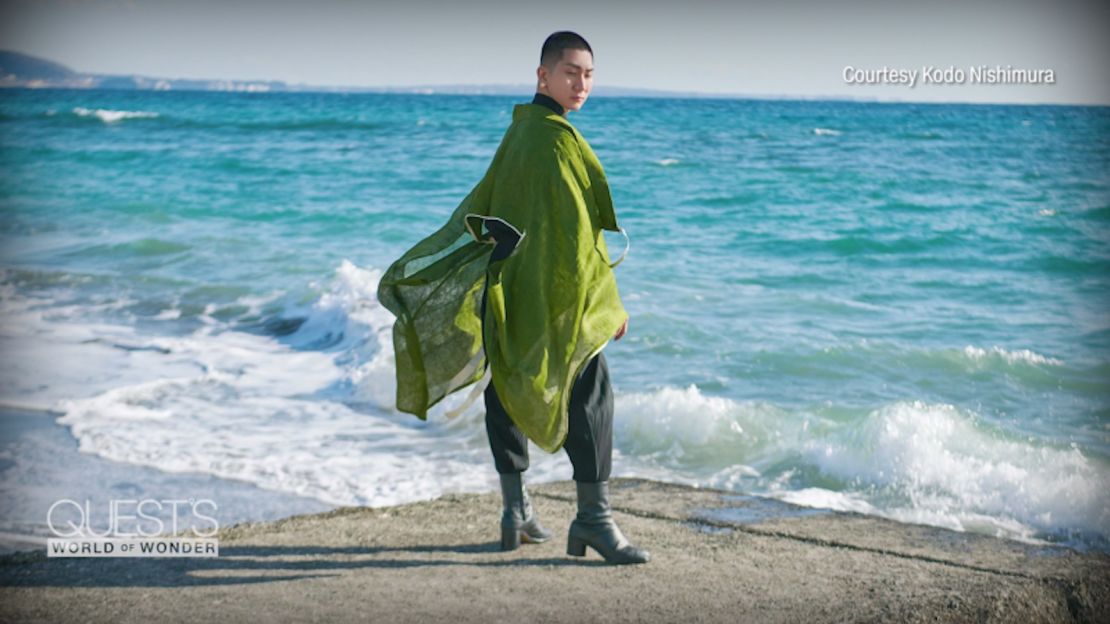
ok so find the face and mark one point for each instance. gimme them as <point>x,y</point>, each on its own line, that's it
<point>570,82</point>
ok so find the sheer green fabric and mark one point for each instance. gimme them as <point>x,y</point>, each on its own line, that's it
<point>552,303</point>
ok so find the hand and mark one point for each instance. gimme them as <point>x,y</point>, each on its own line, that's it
<point>622,330</point>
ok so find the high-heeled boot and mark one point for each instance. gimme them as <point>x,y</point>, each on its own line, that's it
<point>518,521</point>
<point>594,527</point>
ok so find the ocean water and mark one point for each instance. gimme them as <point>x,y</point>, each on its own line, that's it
<point>895,309</point>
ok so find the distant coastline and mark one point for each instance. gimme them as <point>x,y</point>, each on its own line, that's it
<point>18,70</point>
<point>23,71</point>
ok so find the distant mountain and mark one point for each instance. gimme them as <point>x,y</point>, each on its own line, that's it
<point>15,64</point>
<point>23,70</point>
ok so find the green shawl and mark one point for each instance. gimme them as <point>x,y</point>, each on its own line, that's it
<point>552,303</point>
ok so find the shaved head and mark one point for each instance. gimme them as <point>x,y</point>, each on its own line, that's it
<point>555,43</point>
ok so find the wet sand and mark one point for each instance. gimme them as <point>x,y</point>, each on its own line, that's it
<point>717,557</point>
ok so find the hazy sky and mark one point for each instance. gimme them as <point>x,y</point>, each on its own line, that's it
<point>758,48</point>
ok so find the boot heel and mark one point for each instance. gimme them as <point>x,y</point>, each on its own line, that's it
<point>510,538</point>
<point>576,547</point>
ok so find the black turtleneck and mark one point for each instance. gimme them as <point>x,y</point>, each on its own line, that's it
<point>548,101</point>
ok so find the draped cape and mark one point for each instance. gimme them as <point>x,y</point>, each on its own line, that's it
<point>552,302</point>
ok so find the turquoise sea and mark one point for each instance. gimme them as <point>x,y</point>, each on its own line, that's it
<point>896,309</point>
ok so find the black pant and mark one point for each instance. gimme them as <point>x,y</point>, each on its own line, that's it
<point>589,442</point>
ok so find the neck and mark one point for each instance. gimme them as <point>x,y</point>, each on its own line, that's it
<point>544,99</point>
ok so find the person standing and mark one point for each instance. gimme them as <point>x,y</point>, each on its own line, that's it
<point>528,238</point>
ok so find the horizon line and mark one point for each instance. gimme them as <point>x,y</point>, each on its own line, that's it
<point>445,90</point>
<point>244,85</point>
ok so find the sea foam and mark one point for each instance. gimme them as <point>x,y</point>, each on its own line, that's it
<point>909,460</point>
<point>311,413</point>
<point>112,116</point>
<point>937,464</point>
<point>1024,356</point>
